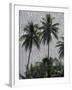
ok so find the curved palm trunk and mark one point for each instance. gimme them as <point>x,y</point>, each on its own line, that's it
<point>27,67</point>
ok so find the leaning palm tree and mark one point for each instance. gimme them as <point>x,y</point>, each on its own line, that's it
<point>29,38</point>
<point>60,44</point>
<point>48,28</point>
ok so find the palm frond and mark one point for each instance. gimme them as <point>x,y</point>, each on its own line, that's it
<point>23,37</point>
<point>36,42</point>
<point>43,22</point>
<point>60,45</point>
<point>55,29</point>
<point>61,53</point>
<point>42,27</point>
<point>26,44</point>
<point>56,24</point>
<point>55,35</point>
<point>26,28</point>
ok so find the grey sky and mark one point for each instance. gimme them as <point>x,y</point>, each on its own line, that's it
<point>36,55</point>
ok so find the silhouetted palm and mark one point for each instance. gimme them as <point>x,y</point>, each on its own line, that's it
<point>48,28</point>
<point>60,44</point>
<point>29,38</point>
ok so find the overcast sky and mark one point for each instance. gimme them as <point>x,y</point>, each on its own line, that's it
<point>36,55</point>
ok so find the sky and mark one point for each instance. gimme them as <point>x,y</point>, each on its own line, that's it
<point>38,55</point>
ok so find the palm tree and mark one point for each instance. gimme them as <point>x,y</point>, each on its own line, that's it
<point>48,28</point>
<point>60,44</point>
<point>29,38</point>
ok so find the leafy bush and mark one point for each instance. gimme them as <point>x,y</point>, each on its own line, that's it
<point>46,68</point>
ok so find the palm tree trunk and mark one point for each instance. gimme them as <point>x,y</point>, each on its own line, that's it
<point>27,67</point>
<point>28,59</point>
<point>48,59</point>
<point>48,50</point>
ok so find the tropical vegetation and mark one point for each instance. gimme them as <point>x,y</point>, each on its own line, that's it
<point>35,35</point>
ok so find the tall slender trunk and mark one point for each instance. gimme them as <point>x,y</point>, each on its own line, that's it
<point>28,60</point>
<point>48,61</point>
<point>48,50</point>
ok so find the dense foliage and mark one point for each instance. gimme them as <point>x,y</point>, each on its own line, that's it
<point>46,68</point>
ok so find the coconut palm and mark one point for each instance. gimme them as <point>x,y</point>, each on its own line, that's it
<point>60,44</point>
<point>48,28</point>
<point>29,38</point>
